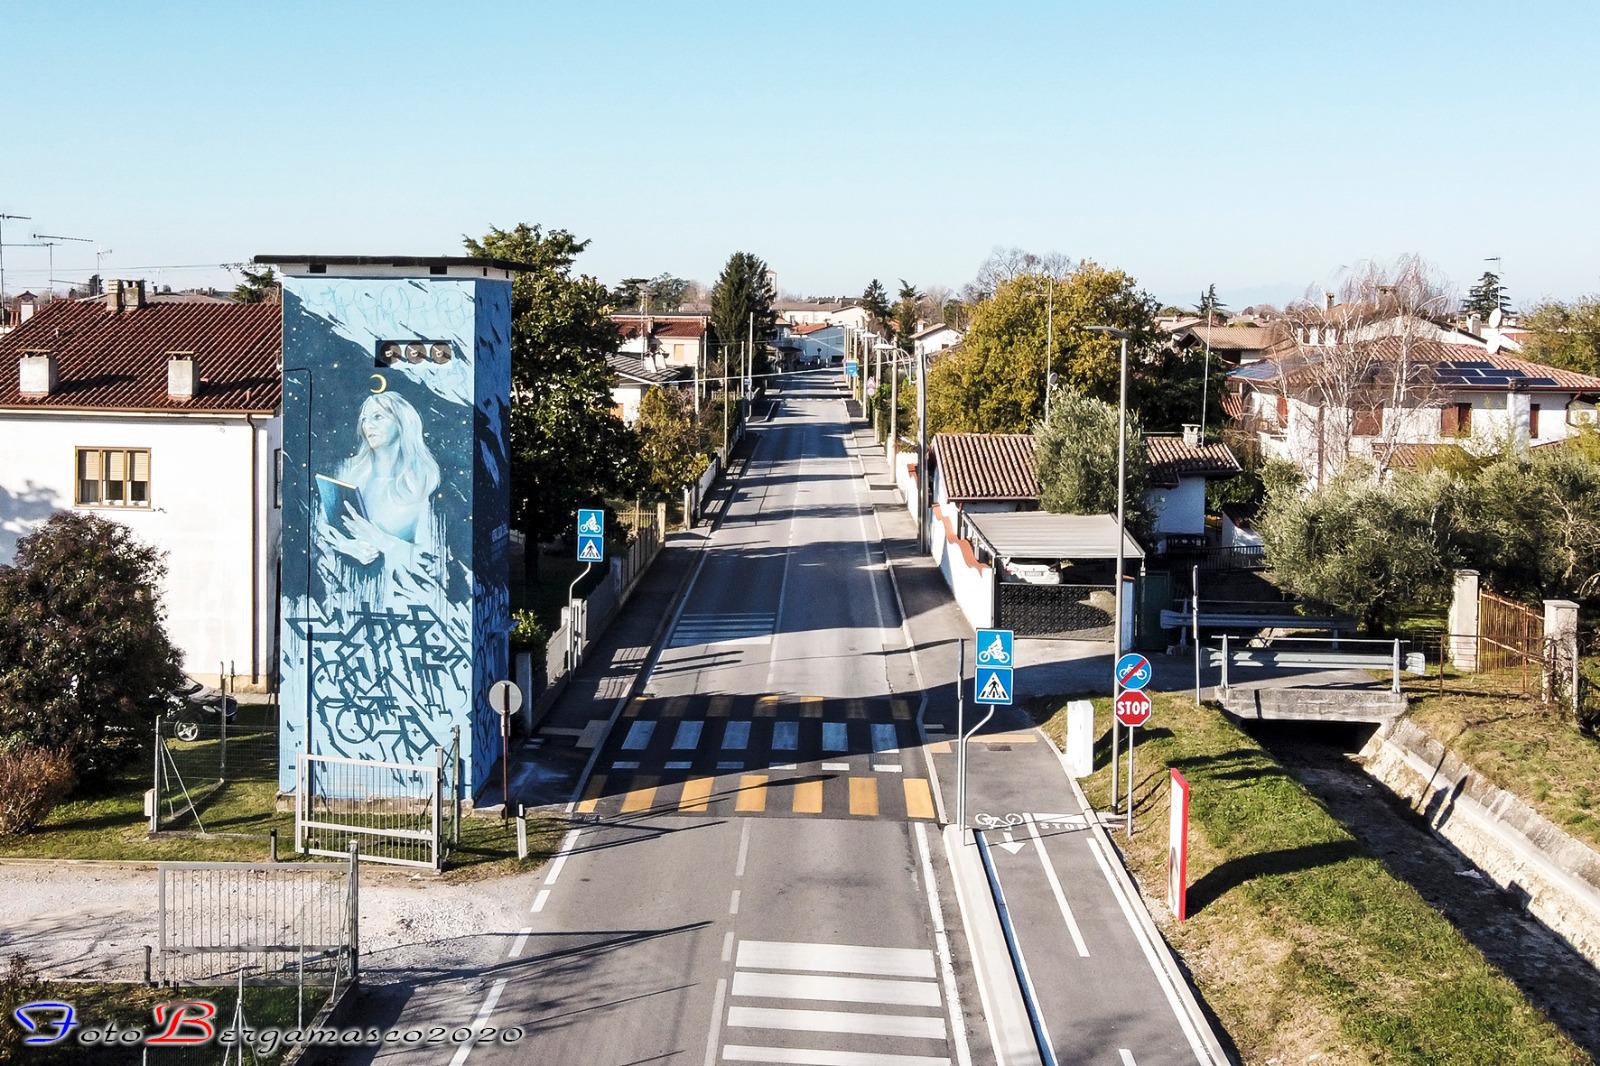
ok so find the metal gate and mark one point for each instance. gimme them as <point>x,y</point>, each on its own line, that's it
<point>398,813</point>
<point>1510,636</point>
<point>1084,612</point>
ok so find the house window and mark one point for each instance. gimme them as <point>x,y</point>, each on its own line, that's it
<point>1283,410</point>
<point>1455,420</point>
<point>1533,420</point>
<point>113,477</point>
<point>1369,421</point>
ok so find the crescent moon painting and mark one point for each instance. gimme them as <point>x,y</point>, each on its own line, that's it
<point>380,384</point>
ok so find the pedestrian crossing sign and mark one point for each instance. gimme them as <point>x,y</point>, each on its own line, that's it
<point>591,535</point>
<point>992,684</point>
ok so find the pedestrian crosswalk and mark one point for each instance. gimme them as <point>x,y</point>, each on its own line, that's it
<point>834,1005</point>
<point>728,627</point>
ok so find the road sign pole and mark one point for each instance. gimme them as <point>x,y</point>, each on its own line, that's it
<point>961,726</point>
<point>1116,690</point>
<point>1130,781</point>
<point>572,618</point>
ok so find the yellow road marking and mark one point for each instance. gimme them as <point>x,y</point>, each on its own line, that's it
<point>808,797</point>
<point>900,708</point>
<point>641,797</point>
<point>766,706</point>
<point>811,706</point>
<point>863,795</point>
<point>696,793</point>
<point>591,795</point>
<point>635,705</point>
<point>919,800</point>
<point>1006,738</point>
<point>752,793</point>
<point>719,706</point>
<point>856,709</point>
<point>675,707</point>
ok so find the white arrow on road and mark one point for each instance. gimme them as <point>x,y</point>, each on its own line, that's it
<point>1011,845</point>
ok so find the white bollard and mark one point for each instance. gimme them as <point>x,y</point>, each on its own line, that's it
<point>1080,738</point>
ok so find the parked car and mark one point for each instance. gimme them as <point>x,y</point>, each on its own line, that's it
<point>194,705</point>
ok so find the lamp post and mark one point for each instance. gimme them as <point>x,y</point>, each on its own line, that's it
<point>922,432</point>
<point>1122,500</point>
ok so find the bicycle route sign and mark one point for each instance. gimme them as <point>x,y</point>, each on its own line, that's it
<point>992,682</point>
<point>1133,671</point>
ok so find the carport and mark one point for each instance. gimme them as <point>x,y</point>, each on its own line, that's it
<point>1074,557</point>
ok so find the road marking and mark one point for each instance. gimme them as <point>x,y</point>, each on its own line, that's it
<point>811,707</point>
<point>836,989</point>
<point>638,737</point>
<point>856,709</point>
<point>1055,888</point>
<point>837,958</point>
<point>941,944</point>
<point>835,736</point>
<point>719,706</point>
<point>796,1056</point>
<point>679,765</point>
<point>624,764</point>
<point>727,946</point>
<point>713,1037</point>
<point>480,1020</point>
<point>734,764</point>
<point>884,739</point>
<point>783,585</point>
<point>752,794</point>
<point>736,736</point>
<point>1006,738</point>
<point>540,900</point>
<point>900,708</point>
<point>834,766</point>
<point>767,706</point>
<point>591,795</point>
<point>675,707</point>
<point>919,798</point>
<point>733,903</point>
<point>696,794</point>
<point>864,796</point>
<point>784,766</point>
<point>642,796</point>
<point>633,707</point>
<point>593,733</point>
<point>807,797</point>
<point>785,736</point>
<point>727,628</point>
<point>1126,1056</point>
<point>567,843</point>
<point>744,850</point>
<point>887,768</point>
<point>521,942</point>
<point>688,736</point>
<point>919,1027</point>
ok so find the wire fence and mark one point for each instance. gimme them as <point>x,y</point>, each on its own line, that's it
<point>209,773</point>
<point>397,813</point>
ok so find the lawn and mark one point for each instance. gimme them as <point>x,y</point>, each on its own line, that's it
<point>1302,943</point>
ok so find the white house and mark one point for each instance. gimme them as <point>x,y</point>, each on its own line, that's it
<point>847,313</point>
<point>163,417</point>
<point>935,338</point>
<point>678,338</point>
<point>632,377</point>
<point>817,344</point>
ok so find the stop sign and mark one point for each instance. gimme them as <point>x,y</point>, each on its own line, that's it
<point>1133,709</point>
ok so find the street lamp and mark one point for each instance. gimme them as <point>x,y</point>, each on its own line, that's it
<point>1122,499</point>
<point>923,482</point>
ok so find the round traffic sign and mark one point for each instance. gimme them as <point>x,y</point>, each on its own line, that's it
<point>1133,708</point>
<point>505,697</point>
<point>1133,671</point>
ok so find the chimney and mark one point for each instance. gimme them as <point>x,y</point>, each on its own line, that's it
<point>25,306</point>
<point>1191,435</point>
<point>1472,324</point>
<point>132,294</point>
<point>183,376</point>
<point>114,296</point>
<point>36,373</point>
<point>1327,301</point>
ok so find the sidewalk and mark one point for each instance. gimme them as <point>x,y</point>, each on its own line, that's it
<point>1104,979</point>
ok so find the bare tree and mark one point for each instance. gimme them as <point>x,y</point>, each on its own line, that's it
<point>1363,357</point>
<point>1004,264</point>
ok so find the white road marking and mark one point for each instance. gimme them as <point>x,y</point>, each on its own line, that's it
<point>921,1027</point>
<point>941,944</point>
<point>835,766</point>
<point>679,764</point>
<point>539,900</point>
<point>835,958</point>
<point>883,738</point>
<point>744,849</point>
<point>888,768</point>
<point>835,736</point>
<point>480,1020</point>
<point>638,737</point>
<point>713,1038</point>
<point>837,989</point>
<point>1126,1056</point>
<point>785,766</point>
<point>785,736</point>
<point>519,943</point>
<point>783,585</point>
<point>567,843</point>
<point>733,902</point>
<point>735,764</point>
<point>1055,888</point>
<point>727,946</point>
<point>730,628</point>
<point>688,736</point>
<point>736,735</point>
<point>625,764</point>
<point>796,1056</point>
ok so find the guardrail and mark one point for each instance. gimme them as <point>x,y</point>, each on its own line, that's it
<point>1385,655</point>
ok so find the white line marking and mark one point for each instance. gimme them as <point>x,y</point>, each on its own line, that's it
<point>625,764</point>
<point>519,943</point>
<point>883,738</point>
<point>688,734</point>
<point>736,735</point>
<point>1127,1057</point>
<point>835,736</point>
<point>744,849</point>
<point>838,989</point>
<point>835,958</point>
<point>888,768</point>
<point>539,900</point>
<point>713,1038</point>
<point>941,944</point>
<point>638,736</point>
<point>679,764</point>
<point>835,766</point>
<point>783,584</point>
<point>727,946</point>
<point>1055,887</point>
<point>785,766</point>
<point>567,843</point>
<point>480,1020</point>
<point>797,1056</point>
<point>837,1021</point>
<point>785,736</point>
<point>987,1013</point>
<point>733,901</point>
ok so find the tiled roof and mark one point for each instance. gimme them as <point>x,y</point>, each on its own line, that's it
<point>629,367</point>
<point>1458,367</point>
<point>812,327</point>
<point>1171,458</point>
<point>1419,456</point>
<point>680,328</point>
<point>118,361</point>
<point>935,328</point>
<point>987,466</point>
<point>1231,338</point>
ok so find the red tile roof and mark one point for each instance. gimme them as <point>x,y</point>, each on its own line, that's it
<point>811,327</point>
<point>987,466</point>
<point>1171,458</point>
<point>118,361</point>
<point>685,328</point>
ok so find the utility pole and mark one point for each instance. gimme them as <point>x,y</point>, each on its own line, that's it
<point>1049,339</point>
<point>924,482</point>
<point>3,220</point>
<point>894,409</point>
<point>750,359</point>
<point>1205,378</point>
<point>726,416</point>
<point>1122,497</point>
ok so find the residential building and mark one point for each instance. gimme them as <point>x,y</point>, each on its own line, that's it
<point>680,339</point>
<point>164,417</point>
<point>847,313</point>
<point>935,338</point>
<point>815,344</point>
<point>1231,345</point>
<point>634,376</point>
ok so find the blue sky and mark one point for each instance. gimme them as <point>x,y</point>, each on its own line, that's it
<point>1257,145</point>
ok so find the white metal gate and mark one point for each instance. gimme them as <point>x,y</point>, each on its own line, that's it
<point>398,813</point>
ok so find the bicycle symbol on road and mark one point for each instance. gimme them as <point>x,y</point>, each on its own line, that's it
<point>1003,821</point>
<point>994,653</point>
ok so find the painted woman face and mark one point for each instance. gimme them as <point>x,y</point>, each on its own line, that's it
<point>378,427</point>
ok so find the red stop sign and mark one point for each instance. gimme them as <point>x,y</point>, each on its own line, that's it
<point>1133,709</point>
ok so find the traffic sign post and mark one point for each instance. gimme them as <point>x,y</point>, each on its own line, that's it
<point>1133,671</point>
<point>591,550</point>
<point>1132,709</point>
<point>851,368</point>
<point>505,697</point>
<point>992,681</point>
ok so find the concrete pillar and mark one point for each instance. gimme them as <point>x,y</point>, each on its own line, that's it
<point>1560,645</point>
<point>1080,738</point>
<point>1464,621</point>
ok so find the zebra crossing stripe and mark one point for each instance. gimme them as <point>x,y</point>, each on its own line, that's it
<point>919,1026</point>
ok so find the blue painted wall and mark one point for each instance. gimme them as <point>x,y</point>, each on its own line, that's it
<point>395,609</point>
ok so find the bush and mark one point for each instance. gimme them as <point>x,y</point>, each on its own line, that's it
<point>32,782</point>
<point>527,632</point>
<point>18,985</point>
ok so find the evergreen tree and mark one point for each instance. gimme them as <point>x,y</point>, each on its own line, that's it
<point>1486,296</point>
<point>906,310</point>
<point>744,289</point>
<point>258,286</point>
<point>1210,305</point>
<point>876,301</point>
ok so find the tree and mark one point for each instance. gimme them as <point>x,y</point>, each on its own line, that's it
<point>1076,458</point>
<point>1566,334</point>
<point>662,294</point>
<point>876,302</point>
<point>85,662</point>
<point>994,382</point>
<point>1008,264</point>
<point>743,290</point>
<point>1486,296</point>
<point>907,309</point>
<point>568,447</point>
<point>672,448</point>
<point>1210,306</point>
<point>258,286</point>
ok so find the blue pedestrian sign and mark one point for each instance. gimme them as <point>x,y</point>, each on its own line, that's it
<point>851,368</point>
<point>992,682</point>
<point>591,535</point>
<point>1133,671</point>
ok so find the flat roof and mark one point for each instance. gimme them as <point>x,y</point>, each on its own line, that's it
<point>306,263</point>
<point>1043,535</point>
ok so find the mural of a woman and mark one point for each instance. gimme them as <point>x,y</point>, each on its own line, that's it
<point>379,505</point>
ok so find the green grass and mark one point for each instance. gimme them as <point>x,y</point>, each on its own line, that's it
<point>1302,942</point>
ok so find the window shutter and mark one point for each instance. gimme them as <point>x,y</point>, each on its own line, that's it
<point>116,465</point>
<point>141,466</point>
<point>89,464</point>
<point>1533,420</point>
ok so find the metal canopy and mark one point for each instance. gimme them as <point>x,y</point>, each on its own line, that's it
<point>1042,535</point>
